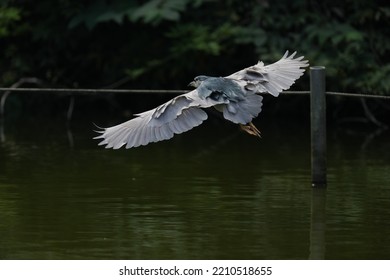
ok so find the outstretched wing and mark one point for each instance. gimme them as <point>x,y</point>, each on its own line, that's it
<point>272,78</point>
<point>176,116</point>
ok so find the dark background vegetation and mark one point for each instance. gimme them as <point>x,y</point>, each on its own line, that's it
<point>163,44</point>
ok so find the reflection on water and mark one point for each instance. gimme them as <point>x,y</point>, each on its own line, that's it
<point>212,193</point>
<point>318,224</point>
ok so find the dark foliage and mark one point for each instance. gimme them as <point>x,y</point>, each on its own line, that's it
<point>165,43</point>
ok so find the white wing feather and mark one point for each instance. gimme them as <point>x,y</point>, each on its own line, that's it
<point>176,116</point>
<point>273,78</point>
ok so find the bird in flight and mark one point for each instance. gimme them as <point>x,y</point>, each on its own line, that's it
<point>235,96</point>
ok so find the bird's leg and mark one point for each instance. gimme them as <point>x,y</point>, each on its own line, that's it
<point>251,129</point>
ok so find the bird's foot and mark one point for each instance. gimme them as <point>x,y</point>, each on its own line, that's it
<point>251,129</point>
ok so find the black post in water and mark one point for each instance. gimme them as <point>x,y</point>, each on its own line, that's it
<point>318,126</point>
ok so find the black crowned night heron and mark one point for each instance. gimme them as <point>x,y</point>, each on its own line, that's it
<point>236,96</point>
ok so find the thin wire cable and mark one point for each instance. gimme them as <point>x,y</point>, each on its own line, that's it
<point>92,91</point>
<point>304,92</point>
<point>361,95</point>
<point>86,91</point>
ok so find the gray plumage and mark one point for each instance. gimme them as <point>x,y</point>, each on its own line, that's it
<point>236,96</point>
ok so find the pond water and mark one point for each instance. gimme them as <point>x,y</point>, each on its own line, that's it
<point>211,193</point>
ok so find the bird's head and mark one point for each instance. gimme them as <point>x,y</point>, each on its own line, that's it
<point>198,80</point>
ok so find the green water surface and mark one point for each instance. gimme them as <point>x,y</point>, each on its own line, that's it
<point>211,193</point>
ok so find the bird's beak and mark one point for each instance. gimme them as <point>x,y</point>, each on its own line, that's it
<point>192,84</point>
